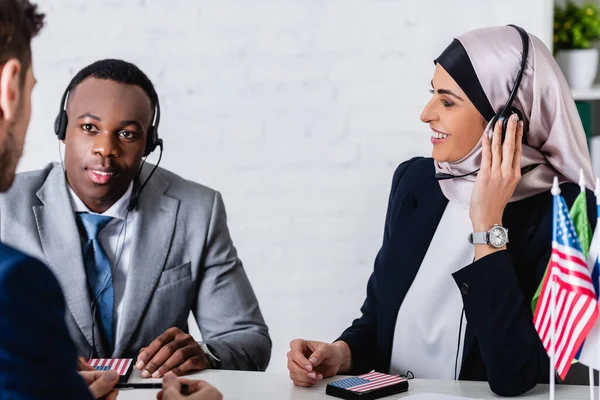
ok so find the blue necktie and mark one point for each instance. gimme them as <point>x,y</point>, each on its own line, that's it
<point>99,272</point>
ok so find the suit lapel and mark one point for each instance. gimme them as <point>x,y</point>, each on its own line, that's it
<point>61,243</point>
<point>419,214</point>
<point>154,225</point>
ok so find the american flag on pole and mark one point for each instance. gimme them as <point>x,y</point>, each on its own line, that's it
<point>121,365</point>
<point>367,382</point>
<point>576,307</point>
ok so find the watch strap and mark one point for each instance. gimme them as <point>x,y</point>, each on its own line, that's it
<point>478,238</point>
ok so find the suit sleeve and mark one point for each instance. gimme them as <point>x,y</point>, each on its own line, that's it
<point>37,357</point>
<point>501,318</point>
<point>227,310</point>
<point>361,337</point>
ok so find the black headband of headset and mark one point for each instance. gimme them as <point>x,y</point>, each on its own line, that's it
<point>60,124</point>
<point>457,63</point>
<point>155,116</point>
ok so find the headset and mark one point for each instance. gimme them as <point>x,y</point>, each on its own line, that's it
<point>62,120</point>
<point>153,141</point>
<point>508,108</point>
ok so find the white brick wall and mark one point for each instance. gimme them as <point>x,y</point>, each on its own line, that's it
<point>297,110</point>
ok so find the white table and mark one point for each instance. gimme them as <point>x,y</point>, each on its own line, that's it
<point>236,385</point>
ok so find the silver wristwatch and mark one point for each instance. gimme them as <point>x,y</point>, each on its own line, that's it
<point>496,237</point>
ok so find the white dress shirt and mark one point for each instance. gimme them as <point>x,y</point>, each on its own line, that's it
<point>116,239</point>
<point>426,338</point>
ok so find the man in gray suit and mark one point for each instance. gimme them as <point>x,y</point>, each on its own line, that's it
<point>134,247</point>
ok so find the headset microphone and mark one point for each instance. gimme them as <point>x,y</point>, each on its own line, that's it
<point>136,193</point>
<point>441,176</point>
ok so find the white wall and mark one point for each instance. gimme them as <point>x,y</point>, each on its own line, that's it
<point>297,110</point>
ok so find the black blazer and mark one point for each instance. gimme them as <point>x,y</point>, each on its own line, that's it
<point>501,344</point>
<point>37,357</point>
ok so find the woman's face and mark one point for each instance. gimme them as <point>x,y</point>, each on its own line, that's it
<point>456,124</point>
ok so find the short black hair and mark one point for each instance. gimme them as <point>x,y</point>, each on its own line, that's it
<point>117,71</point>
<point>20,21</point>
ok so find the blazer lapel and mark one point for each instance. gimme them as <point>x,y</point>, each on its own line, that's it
<point>154,226</point>
<point>61,243</point>
<point>415,223</point>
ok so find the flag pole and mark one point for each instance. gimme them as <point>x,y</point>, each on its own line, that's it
<point>590,369</point>
<point>555,192</point>
<point>597,193</point>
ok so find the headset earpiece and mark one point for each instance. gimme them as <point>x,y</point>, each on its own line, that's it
<point>61,121</point>
<point>150,141</point>
<point>520,115</point>
<point>60,125</point>
<point>153,140</point>
<point>505,117</point>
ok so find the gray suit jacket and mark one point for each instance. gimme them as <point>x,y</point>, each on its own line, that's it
<point>183,260</point>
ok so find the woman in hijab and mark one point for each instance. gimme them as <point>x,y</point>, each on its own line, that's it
<point>439,305</point>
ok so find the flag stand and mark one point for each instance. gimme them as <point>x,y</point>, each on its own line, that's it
<point>555,192</point>
<point>552,335</point>
<point>591,369</point>
<point>597,193</point>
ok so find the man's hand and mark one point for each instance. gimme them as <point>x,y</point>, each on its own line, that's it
<point>101,383</point>
<point>175,351</point>
<point>196,390</point>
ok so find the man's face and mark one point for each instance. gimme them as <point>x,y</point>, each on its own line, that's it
<point>105,140</point>
<point>13,139</point>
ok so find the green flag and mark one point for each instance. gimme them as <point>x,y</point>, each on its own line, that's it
<point>581,224</point>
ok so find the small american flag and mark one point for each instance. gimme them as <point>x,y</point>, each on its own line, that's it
<point>121,365</point>
<point>576,308</point>
<point>367,382</point>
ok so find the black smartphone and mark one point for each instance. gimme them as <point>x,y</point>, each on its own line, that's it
<point>123,366</point>
<point>373,385</point>
<point>147,385</point>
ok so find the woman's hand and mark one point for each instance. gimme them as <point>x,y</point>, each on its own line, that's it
<point>310,361</point>
<point>497,179</point>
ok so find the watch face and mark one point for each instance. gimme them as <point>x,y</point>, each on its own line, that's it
<point>498,237</point>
